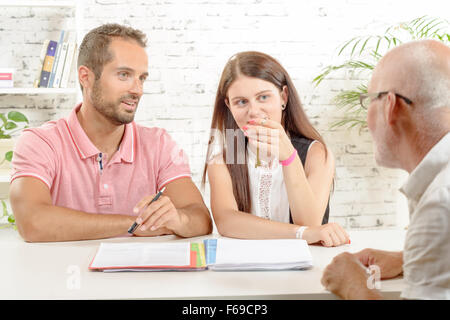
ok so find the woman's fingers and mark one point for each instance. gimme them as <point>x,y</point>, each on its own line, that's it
<point>340,235</point>
<point>326,239</point>
<point>263,134</point>
<point>343,233</point>
<point>264,122</point>
<point>334,235</point>
<point>334,238</point>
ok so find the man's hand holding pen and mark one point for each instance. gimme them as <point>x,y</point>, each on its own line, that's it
<point>156,215</point>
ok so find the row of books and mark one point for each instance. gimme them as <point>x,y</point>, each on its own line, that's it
<point>57,58</point>
<point>222,254</point>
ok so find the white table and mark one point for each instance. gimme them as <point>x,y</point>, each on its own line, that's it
<point>60,271</point>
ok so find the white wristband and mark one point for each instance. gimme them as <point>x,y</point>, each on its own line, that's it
<point>299,232</point>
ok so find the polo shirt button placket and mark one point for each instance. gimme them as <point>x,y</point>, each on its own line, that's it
<point>100,162</point>
<point>105,198</point>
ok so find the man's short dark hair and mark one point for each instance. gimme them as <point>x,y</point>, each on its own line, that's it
<point>94,49</point>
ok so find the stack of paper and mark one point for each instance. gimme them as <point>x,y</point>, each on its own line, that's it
<point>214,254</point>
<point>277,254</point>
<point>156,256</point>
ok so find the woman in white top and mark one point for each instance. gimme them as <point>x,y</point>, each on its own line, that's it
<point>269,170</point>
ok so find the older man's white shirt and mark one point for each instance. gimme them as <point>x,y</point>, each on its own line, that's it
<point>426,255</point>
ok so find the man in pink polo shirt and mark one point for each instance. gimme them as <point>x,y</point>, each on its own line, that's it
<point>93,174</point>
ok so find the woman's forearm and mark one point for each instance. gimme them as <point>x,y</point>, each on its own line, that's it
<point>306,208</point>
<point>238,224</point>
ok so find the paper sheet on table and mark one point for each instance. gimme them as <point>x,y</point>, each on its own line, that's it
<point>128,255</point>
<point>262,254</point>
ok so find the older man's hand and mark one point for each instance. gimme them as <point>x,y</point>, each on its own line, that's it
<point>389,263</point>
<point>346,277</point>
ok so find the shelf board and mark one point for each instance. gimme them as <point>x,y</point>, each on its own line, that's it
<point>71,4</point>
<point>5,175</point>
<point>38,90</point>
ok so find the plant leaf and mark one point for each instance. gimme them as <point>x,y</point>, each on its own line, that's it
<point>10,125</point>
<point>17,116</point>
<point>353,115</point>
<point>422,32</point>
<point>415,21</point>
<point>11,219</point>
<point>3,118</point>
<point>354,47</point>
<point>364,45</point>
<point>378,44</point>
<point>345,45</point>
<point>8,156</point>
<point>5,209</point>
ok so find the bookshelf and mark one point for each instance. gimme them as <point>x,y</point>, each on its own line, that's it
<point>77,6</point>
<point>38,90</point>
<point>19,3</point>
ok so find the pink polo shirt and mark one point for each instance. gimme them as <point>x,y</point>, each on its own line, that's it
<point>60,154</point>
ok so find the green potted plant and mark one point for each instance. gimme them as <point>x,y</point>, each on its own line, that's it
<point>361,56</point>
<point>11,123</point>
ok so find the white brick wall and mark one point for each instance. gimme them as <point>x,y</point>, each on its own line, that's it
<point>189,43</point>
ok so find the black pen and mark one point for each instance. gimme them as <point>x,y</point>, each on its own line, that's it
<point>136,225</point>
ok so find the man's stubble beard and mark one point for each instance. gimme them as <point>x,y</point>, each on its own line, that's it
<point>110,109</point>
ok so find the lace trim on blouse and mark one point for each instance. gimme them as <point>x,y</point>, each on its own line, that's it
<point>264,185</point>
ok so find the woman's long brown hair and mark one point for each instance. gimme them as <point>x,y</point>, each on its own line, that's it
<point>294,120</point>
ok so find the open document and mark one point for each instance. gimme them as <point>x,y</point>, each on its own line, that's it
<point>155,256</point>
<point>222,254</point>
<point>274,254</point>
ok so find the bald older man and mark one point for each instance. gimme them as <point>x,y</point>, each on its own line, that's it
<point>409,119</point>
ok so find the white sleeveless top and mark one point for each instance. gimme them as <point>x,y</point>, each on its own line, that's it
<point>267,189</point>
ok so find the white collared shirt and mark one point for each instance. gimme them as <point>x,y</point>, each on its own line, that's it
<point>426,255</point>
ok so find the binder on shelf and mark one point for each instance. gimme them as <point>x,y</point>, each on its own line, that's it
<point>42,58</point>
<point>215,254</point>
<point>48,64</point>
<point>61,61</point>
<point>68,65</point>
<point>57,59</point>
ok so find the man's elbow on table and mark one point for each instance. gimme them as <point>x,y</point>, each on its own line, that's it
<point>29,221</point>
<point>29,228</point>
<point>31,204</point>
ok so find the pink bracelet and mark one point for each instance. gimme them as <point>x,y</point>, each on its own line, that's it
<point>290,159</point>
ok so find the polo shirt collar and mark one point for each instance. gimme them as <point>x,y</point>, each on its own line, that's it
<point>430,166</point>
<point>86,148</point>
